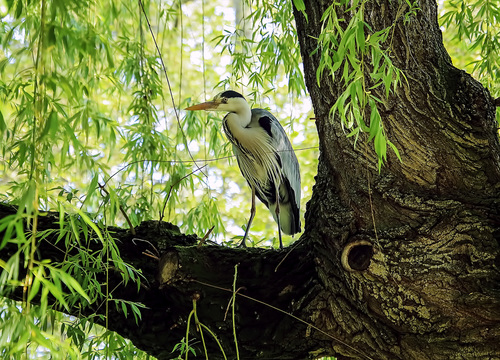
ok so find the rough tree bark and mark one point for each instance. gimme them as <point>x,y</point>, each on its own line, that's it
<point>401,264</point>
<point>432,287</point>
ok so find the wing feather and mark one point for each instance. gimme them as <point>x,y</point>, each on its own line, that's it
<point>289,187</point>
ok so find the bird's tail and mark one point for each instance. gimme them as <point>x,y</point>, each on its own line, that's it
<point>289,217</point>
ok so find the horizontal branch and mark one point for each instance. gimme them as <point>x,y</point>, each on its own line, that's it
<point>174,271</point>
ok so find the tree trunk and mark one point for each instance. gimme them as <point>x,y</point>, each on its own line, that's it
<point>401,264</point>
<point>431,290</point>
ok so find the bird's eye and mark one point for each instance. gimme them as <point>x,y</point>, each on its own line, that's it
<point>224,100</point>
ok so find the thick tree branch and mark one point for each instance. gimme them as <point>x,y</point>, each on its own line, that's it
<point>282,279</point>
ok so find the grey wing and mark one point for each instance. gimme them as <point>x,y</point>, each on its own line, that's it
<point>290,188</point>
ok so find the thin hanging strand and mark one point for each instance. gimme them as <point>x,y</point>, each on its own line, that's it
<point>204,80</point>
<point>181,49</point>
<point>169,87</point>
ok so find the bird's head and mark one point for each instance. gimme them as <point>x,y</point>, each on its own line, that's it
<point>228,100</point>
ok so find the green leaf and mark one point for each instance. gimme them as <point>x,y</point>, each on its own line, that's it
<point>395,149</point>
<point>72,284</point>
<point>89,222</point>
<point>35,286</point>
<point>360,36</point>
<point>300,6</point>
<point>381,145</point>
<point>124,308</point>
<point>3,125</point>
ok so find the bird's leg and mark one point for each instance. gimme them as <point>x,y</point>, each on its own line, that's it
<point>252,214</point>
<point>278,217</point>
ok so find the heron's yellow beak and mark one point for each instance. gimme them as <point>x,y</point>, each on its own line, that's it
<point>209,105</point>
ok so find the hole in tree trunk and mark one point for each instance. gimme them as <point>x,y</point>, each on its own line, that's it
<point>357,255</point>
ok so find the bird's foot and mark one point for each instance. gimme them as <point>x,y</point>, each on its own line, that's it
<point>242,243</point>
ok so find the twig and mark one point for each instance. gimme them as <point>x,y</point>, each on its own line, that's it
<point>231,301</point>
<point>202,241</point>
<point>131,227</point>
<point>149,242</point>
<point>284,258</point>
<point>162,213</point>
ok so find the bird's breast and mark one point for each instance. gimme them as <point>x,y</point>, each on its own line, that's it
<point>253,169</point>
<point>252,146</point>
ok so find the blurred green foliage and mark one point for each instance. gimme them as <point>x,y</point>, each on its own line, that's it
<point>85,102</point>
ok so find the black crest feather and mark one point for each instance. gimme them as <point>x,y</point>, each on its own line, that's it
<point>231,94</point>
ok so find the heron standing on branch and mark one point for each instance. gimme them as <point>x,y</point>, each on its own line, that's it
<point>265,157</point>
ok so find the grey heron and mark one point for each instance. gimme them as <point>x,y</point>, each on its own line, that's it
<point>265,157</point>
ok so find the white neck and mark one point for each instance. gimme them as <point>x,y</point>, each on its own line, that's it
<point>236,121</point>
<point>240,115</point>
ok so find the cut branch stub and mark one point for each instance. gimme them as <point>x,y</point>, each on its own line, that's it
<point>167,267</point>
